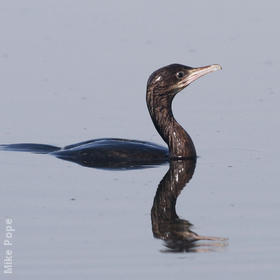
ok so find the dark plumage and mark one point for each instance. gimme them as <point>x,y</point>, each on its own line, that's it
<point>162,86</point>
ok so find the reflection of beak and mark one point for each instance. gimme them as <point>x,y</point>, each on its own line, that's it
<point>198,72</point>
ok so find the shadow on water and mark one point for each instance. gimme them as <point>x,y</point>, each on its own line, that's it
<point>166,225</point>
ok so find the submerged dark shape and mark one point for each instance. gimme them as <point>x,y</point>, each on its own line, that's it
<point>162,87</point>
<point>166,224</point>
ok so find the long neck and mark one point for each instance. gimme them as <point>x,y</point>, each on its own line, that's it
<point>178,140</point>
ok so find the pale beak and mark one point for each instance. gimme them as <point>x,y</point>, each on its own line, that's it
<point>198,72</point>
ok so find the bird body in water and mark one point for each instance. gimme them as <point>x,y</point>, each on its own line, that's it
<point>162,86</point>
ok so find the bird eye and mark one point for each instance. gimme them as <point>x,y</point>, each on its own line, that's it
<point>180,75</point>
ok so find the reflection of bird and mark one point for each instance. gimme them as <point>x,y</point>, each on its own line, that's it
<point>166,224</point>
<point>162,86</point>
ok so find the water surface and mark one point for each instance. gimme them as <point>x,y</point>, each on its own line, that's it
<point>74,71</point>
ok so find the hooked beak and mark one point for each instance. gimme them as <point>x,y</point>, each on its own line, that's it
<point>198,72</point>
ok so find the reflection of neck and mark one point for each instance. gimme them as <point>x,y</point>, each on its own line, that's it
<point>163,210</point>
<point>179,142</point>
<point>166,224</point>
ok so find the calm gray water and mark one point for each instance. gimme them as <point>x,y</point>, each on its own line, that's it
<point>75,70</point>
